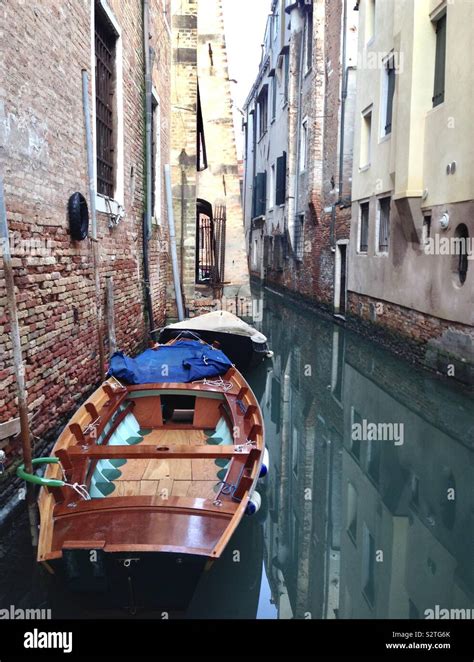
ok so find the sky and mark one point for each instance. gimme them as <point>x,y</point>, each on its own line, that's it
<point>245,22</point>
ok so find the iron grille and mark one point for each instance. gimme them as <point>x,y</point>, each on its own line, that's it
<point>105,40</point>
<point>211,238</point>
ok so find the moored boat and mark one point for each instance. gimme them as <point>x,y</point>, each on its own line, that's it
<point>155,470</point>
<point>245,346</point>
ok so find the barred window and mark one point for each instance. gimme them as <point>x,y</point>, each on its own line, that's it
<point>299,238</point>
<point>384,224</point>
<point>105,40</point>
<point>364,228</point>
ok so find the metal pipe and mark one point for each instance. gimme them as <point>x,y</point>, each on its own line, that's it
<point>345,81</point>
<point>300,114</point>
<point>149,115</point>
<point>147,228</point>
<point>18,364</point>
<point>92,196</point>
<point>174,254</point>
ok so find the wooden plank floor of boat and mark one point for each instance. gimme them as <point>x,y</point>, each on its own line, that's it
<point>165,478</point>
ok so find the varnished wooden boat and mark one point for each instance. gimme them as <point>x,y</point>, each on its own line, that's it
<point>167,471</point>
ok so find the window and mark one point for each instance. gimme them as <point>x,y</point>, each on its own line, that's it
<point>156,160</point>
<point>299,238</point>
<point>271,192</point>
<point>267,251</point>
<point>352,512</point>
<point>368,565</point>
<point>304,145</point>
<point>105,40</point>
<point>440,61</point>
<point>426,230</point>
<point>274,96</point>
<point>373,459</point>
<point>356,419</point>
<point>280,197</point>
<point>202,163</point>
<point>287,75</point>
<point>260,195</point>
<point>384,224</point>
<point>308,42</point>
<point>366,138</point>
<point>364,228</point>
<point>263,111</point>
<point>389,91</point>
<point>462,252</point>
<point>370,20</point>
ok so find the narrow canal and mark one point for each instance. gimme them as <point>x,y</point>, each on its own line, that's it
<point>368,510</point>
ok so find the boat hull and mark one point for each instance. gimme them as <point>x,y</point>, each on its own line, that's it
<point>244,353</point>
<point>135,582</point>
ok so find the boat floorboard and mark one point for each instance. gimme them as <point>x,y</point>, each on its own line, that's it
<point>164,478</point>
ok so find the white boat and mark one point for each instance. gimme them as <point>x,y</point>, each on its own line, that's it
<point>243,344</point>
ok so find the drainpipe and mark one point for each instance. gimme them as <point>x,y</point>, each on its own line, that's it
<point>174,254</point>
<point>342,129</point>
<point>93,233</point>
<point>295,96</point>
<point>148,165</point>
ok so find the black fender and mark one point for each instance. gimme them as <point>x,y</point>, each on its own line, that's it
<point>78,213</point>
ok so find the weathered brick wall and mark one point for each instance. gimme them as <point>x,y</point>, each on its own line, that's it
<point>313,277</point>
<point>441,345</point>
<point>44,47</point>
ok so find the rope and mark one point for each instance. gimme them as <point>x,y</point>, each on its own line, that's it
<point>80,489</point>
<point>225,386</point>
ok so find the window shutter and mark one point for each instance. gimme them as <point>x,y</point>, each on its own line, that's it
<point>261,202</point>
<point>390,93</point>
<point>254,198</point>
<point>440,62</point>
<point>281,180</point>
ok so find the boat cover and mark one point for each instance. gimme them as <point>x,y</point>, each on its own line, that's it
<point>186,361</point>
<point>223,322</point>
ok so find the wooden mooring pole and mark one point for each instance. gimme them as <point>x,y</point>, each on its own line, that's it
<point>19,365</point>
<point>111,315</point>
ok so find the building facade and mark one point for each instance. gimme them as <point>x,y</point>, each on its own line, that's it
<point>298,150</point>
<point>413,185</point>
<point>205,172</point>
<point>43,161</point>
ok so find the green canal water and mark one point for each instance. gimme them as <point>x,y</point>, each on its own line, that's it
<point>368,509</point>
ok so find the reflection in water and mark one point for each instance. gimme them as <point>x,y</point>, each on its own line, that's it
<point>349,528</point>
<point>373,528</point>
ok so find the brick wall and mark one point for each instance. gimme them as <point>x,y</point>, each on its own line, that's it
<point>44,47</point>
<point>313,276</point>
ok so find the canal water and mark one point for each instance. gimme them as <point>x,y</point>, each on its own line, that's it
<point>368,509</point>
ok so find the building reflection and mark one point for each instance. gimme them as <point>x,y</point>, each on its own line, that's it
<point>366,529</point>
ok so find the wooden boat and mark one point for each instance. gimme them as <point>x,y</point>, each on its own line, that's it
<point>155,471</point>
<point>245,346</point>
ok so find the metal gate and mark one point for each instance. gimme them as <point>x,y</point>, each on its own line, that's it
<point>210,244</point>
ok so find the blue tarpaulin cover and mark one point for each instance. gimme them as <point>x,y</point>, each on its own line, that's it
<point>186,361</point>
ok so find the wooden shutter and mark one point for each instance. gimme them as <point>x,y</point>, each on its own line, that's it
<point>261,201</point>
<point>440,62</point>
<point>281,180</point>
<point>384,227</point>
<point>390,93</point>
<point>364,227</point>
